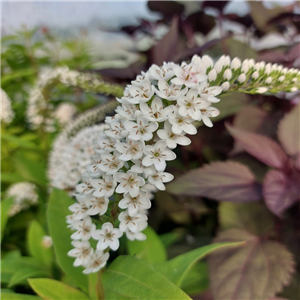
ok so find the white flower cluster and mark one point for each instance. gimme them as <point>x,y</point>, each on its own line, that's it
<point>64,113</point>
<point>24,196</point>
<point>70,157</point>
<point>156,112</point>
<point>40,109</point>
<point>7,114</point>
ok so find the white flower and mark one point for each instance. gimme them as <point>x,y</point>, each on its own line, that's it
<point>82,252</point>
<point>227,74</point>
<point>96,261</point>
<point>180,123</point>
<point>24,195</point>
<point>142,129</point>
<point>186,75</point>
<point>65,112</point>
<point>161,73</point>
<point>79,210</point>
<point>225,86</point>
<point>140,92</point>
<point>116,131</point>
<point>209,92</point>
<point>191,105</point>
<point>130,183</point>
<point>105,143</point>
<point>171,138</point>
<point>131,222</point>
<point>156,112</point>
<point>158,178</point>
<point>236,63</point>
<point>110,163</point>
<point>84,229</point>
<point>104,187</point>
<point>207,61</point>
<point>135,235</point>
<point>98,205</point>
<point>261,90</point>
<point>158,154</point>
<point>135,204</point>
<point>130,150</point>
<point>139,168</point>
<point>170,92</point>
<point>209,113</point>
<point>107,236</point>
<point>7,114</point>
<point>127,111</point>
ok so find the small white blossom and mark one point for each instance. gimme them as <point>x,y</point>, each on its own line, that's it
<point>104,187</point>
<point>170,92</point>
<point>182,124</point>
<point>225,86</point>
<point>97,261</point>
<point>158,178</point>
<point>212,75</point>
<point>7,114</point>
<point>47,241</point>
<point>130,150</point>
<point>140,92</point>
<point>82,252</point>
<point>171,138</point>
<point>129,182</point>
<point>142,129</point>
<point>227,74</point>
<point>84,229</point>
<point>209,113</point>
<point>107,236</point>
<point>98,205</point>
<point>158,154</point>
<point>241,78</point>
<point>131,222</point>
<point>156,112</point>
<point>161,73</point>
<point>110,163</point>
<point>236,63</point>
<point>135,204</point>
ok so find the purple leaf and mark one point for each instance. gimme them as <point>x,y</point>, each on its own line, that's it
<point>165,49</point>
<point>289,132</point>
<point>257,270</point>
<point>261,147</point>
<point>281,190</point>
<point>221,181</point>
<point>167,8</point>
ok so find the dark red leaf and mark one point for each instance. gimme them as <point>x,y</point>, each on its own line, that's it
<point>200,22</point>
<point>261,147</point>
<point>222,181</point>
<point>257,270</point>
<point>220,5</point>
<point>280,190</point>
<point>167,8</point>
<point>289,132</point>
<point>165,49</point>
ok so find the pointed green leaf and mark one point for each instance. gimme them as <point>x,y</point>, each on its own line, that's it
<point>177,268</point>
<point>151,250</point>
<point>35,247</point>
<point>14,296</point>
<point>28,272</point>
<point>5,207</point>
<point>133,278</point>
<point>57,211</point>
<point>55,290</point>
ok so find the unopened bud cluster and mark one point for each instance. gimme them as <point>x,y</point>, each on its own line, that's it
<point>40,110</point>
<point>156,112</point>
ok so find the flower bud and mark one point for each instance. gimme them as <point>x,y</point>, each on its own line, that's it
<point>274,67</point>
<point>227,60</point>
<point>281,78</point>
<point>245,68</point>
<point>236,63</point>
<point>227,74</point>
<point>212,75</point>
<point>251,62</point>
<point>262,90</point>
<point>241,78</point>
<point>255,75</point>
<point>269,80</point>
<point>207,61</point>
<point>294,89</point>
<point>219,64</point>
<point>225,86</point>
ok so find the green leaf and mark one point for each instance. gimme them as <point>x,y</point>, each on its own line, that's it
<point>11,177</point>
<point>152,249</point>
<point>35,247</point>
<point>264,265</point>
<point>178,267</point>
<point>32,171</point>
<point>54,290</point>
<point>13,296</point>
<point>19,141</point>
<point>16,75</point>
<point>133,278</point>
<point>253,217</point>
<point>28,272</point>
<point>13,263</point>
<point>196,281</point>
<point>5,207</point>
<point>170,238</point>
<point>57,211</point>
